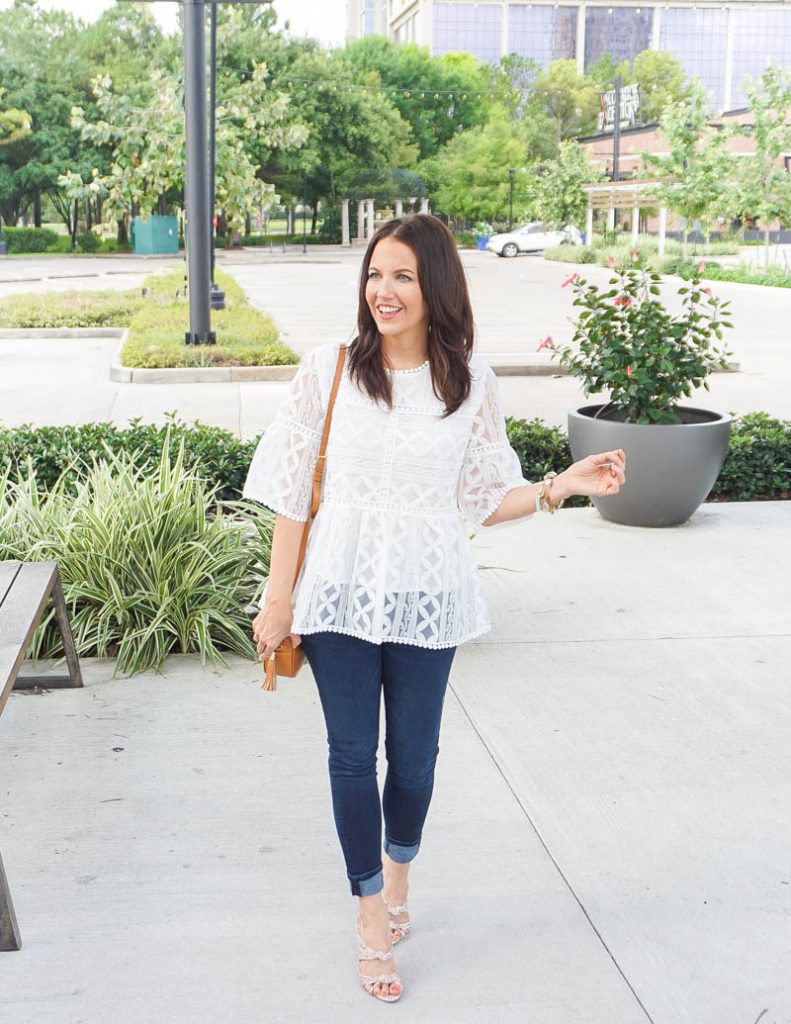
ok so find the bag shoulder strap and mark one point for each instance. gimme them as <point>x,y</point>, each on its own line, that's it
<point>318,472</point>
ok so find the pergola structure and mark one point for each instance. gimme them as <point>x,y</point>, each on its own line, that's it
<point>365,216</point>
<point>626,195</point>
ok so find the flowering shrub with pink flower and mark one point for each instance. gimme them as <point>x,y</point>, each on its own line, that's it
<point>626,342</point>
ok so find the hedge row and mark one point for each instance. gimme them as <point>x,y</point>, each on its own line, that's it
<point>33,240</point>
<point>758,465</point>
<point>773,276</point>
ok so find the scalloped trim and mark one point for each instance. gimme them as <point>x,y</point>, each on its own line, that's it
<point>389,639</point>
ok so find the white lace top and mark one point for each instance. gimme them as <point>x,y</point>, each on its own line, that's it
<point>388,555</point>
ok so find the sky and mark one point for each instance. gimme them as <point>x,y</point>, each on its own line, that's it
<point>324,20</point>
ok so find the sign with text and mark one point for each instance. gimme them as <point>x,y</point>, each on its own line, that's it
<point>630,108</point>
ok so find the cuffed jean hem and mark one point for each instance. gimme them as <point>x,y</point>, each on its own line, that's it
<point>400,854</point>
<point>367,886</point>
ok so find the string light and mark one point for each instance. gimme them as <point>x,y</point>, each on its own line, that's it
<point>408,93</point>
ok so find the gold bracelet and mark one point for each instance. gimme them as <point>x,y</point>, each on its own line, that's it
<point>544,498</point>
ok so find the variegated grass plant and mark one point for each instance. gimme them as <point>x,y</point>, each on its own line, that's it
<point>151,563</point>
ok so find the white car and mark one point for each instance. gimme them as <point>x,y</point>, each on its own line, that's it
<point>532,238</point>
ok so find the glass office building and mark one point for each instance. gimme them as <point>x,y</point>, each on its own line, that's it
<point>720,42</point>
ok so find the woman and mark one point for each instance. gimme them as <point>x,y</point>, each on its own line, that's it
<point>389,587</point>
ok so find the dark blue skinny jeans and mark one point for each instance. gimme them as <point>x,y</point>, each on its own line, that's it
<point>351,675</point>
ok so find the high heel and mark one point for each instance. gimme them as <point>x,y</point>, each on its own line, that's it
<point>399,930</point>
<point>369,982</point>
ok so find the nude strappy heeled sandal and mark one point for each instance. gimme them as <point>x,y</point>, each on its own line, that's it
<point>369,982</point>
<point>401,929</point>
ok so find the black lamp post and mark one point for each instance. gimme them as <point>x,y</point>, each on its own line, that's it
<point>217,295</point>
<point>511,176</point>
<point>199,201</point>
<point>304,206</point>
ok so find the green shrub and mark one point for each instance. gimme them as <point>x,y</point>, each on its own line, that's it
<point>276,240</point>
<point>772,276</point>
<point>541,448</point>
<point>570,254</point>
<point>158,321</point>
<point>69,309</point>
<point>245,337</point>
<point>113,245</point>
<point>87,241</point>
<point>465,239</point>
<point>62,245</point>
<point>150,565</point>
<point>758,463</point>
<point>29,239</point>
<point>68,451</point>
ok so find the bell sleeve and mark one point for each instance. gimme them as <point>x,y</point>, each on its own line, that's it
<point>281,472</point>
<point>490,467</point>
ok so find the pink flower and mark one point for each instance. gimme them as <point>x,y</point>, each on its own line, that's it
<point>628,371</point>
<point>623,300</point>
<point>701,266</point>
<point>610,261</point>
<point>570,280</point>
<point>635,255</point>
<point>545,343</point>
<point>707,291</point>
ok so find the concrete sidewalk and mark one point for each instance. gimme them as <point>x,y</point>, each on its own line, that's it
<point>608,842</point>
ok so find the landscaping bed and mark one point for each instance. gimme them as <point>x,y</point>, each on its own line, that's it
<point>673,261</point>
<point>158,554</point>
<point>757,467</point>
<point>157,317</point>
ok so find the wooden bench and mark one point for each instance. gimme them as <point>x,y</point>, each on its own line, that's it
<point>24,590</point>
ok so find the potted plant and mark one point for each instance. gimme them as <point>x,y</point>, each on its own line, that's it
<point>628,343</point>
<point>483,232</point>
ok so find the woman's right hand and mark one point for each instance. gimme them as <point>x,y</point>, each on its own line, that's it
<point>271,626</point>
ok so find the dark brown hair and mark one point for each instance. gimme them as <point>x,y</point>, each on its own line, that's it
<point>444,287</point>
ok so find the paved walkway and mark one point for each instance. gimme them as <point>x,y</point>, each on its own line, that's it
<point>608,842</point>
<point>313,299</point>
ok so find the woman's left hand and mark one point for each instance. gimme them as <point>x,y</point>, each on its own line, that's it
<point>596,476</point>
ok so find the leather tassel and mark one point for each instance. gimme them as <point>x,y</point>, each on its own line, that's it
<point>270,677</point>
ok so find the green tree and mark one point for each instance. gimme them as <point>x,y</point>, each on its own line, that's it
<point>512,83</point>
<point>662,81</point>
<point>437,96</point>
<point>352,130</point>
<point>603,72</point>
<point>697,166</point>
<point>470,179</point>
<point>559,196</point>
<point>569,97</point>
<point>44,76</point>
<point>659,75</point>
<point>14,124</point>
<point>148,143</point>
<point>762,185</point>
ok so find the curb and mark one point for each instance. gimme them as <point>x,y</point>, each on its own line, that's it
<point>195,374</point>
<point>245,374</point>
<point>62,332</point>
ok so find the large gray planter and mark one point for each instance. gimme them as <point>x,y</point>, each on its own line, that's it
<point>670,468</point>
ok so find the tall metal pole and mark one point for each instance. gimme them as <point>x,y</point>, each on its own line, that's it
<point>217,297</point>
<point>304,204</point>
<point>511,173</point>
<point>616,139</point>
<point>197,185</point>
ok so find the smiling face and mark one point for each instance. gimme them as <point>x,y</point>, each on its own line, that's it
<point>393,293</point>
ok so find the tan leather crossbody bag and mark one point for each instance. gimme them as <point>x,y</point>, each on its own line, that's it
<point>286,659</point>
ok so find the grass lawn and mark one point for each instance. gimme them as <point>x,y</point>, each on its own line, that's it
<point>157,322</point>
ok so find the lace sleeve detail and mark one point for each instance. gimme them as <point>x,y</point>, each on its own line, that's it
<point>491,467</point>
<point>281,472</point>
